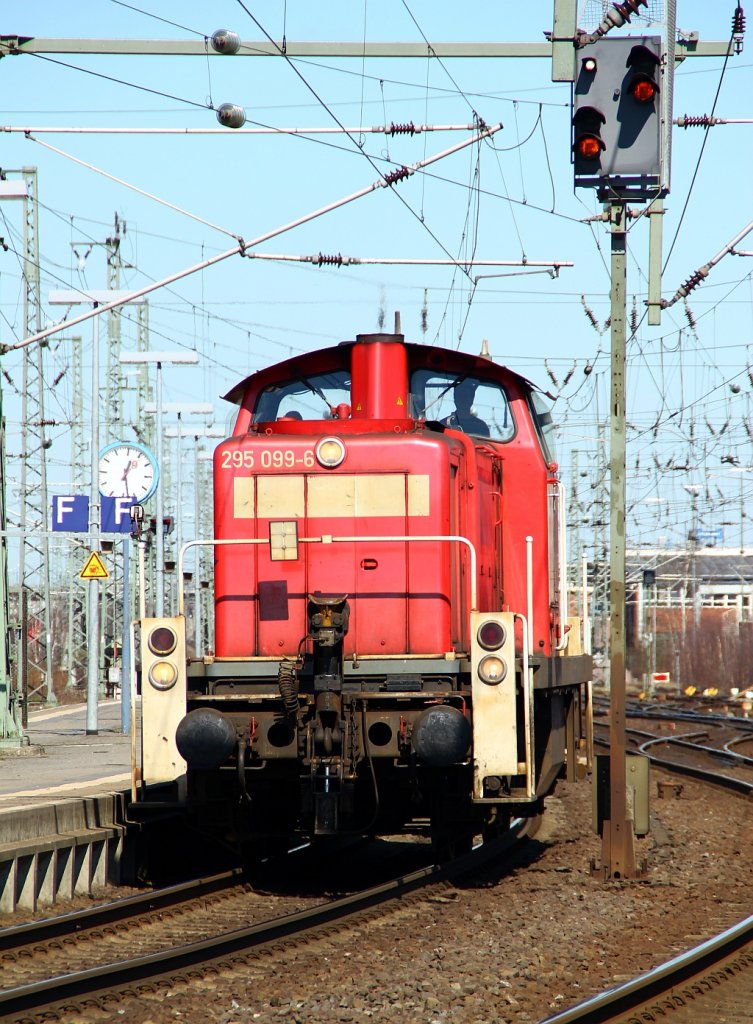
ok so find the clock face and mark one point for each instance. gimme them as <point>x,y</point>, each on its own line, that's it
<point>127,471</point>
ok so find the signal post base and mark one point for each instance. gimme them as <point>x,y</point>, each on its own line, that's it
<point>618,855</point>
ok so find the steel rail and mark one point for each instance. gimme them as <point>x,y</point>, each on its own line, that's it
<point>745,758</point>
<point>119,975</point>
<point>638,709</point>
<point>702,774</point>
<point>629,996</point>
<point>718,753</point>
<point>76,921</point>
<point>679,970</point>
<point>744,724</point>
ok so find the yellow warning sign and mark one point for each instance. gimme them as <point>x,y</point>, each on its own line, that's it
<point>94,569</point>
<point>399,400</point>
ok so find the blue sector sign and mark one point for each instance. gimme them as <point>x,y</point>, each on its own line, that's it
<point>70,513</point>
<point>116,514</point>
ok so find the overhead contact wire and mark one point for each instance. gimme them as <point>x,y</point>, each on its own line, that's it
<point>700,155</point>
<point>133,188</point>
<point>337,121</point>
<point>382,182</point>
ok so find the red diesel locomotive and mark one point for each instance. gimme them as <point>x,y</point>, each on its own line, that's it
<point>392,640</point>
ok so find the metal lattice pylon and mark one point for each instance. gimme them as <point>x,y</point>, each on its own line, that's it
<point>10,724</point>
<point>591,12</point>
<point>76,654</point>
<point>34,552</point>
<point>143,426</point>
<point>113,419</point>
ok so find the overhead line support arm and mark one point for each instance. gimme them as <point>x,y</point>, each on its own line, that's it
<point>14,45</point>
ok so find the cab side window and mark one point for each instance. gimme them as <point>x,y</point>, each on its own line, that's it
<point>541,408</point>
<point>475,406</point>
<point>305,398</point>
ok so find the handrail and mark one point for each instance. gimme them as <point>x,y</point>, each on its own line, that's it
<point>562,563</point>
<point>528,720</point>
<point>529,593</point>
<point>329,539</point>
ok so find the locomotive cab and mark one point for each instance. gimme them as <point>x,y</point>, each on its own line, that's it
<point>391,637</point>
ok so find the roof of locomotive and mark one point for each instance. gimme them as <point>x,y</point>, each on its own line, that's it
<point>338,356</point>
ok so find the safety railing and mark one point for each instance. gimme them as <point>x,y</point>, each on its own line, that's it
<point>329,539</point>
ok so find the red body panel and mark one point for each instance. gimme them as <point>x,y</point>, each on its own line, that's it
<point>388,485</point>
<point>399,477</point>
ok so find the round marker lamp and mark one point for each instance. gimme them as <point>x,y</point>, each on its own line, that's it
<point>330,452</point>
<point>162,640</point>
<point>163,675</point>
<point>491,635</point>
<point>492,669</point>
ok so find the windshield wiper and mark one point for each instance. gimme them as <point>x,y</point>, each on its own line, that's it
<point>314,391</point>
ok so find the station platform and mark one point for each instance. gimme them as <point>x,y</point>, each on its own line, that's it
<point>62,761</point>
<point>62,807</point>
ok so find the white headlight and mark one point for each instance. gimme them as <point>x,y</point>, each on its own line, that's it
<point>163,675</point>
<point>492,669</point>
<point>330,452</point>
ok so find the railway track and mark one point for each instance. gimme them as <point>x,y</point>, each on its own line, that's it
<point>714,980</point>
<point>689,753</point>
<point>711,982</point>
<point>174,936</point>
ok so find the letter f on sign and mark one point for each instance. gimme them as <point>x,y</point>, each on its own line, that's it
<point>65,506</point>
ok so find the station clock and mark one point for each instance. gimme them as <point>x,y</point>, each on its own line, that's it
<point>127,470</point>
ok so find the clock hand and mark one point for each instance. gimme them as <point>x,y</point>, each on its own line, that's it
<point>128,467</point>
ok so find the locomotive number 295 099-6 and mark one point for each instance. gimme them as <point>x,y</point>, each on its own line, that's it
<point>267,458</point>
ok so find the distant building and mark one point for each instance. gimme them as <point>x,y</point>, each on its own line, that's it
<point>692,611</point>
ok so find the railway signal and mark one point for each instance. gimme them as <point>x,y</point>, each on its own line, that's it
<point>617,117</point>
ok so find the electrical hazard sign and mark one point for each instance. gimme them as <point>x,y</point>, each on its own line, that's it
<point>94,569</point>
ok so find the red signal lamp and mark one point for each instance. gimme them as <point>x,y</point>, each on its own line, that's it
<point>643,89</point>
<point>588,143</point>
<point>588,147</point>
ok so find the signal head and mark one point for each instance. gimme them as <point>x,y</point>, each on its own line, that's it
<point>491,635</point>
<point>492,670</point>
<point>618,117</point>
<point>643,62</point>
<point>162,640</point>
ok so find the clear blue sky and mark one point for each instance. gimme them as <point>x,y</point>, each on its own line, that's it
<point>244,314</point>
